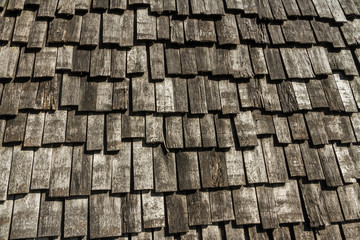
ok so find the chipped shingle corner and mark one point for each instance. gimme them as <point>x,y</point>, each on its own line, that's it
<point>179,119</point>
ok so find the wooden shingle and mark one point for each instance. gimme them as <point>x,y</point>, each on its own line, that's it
<point>221,206</point>
<point>101,174</point>
<point>76,214</point>
<point>224,133</point>
<point>213,177</point>
<point>188,61</point>
<point>164,170</point>
<point>45,62</point>
<point>5,167</point>
<point>47,9</point>
<point>50,217</point>
<point>297,63</point>
<point>137,60</point>
<point>177,214</point>
<point>81,172</point>
<point>8,58</point>
<point>208,133</point>
<point>255,165</point>
<point>76,127</point>
<point>163,27</point>
<point>73,30</point>
<point>330,166</point>
<point>274,63</point>
<point>34,130</point>
<point>40,178</point>
<point>23,25</point>
<point>15,128</point>
<point>90,29</point>
<point>177,31</point>
<point>142,166</point>
<point>6,209</point>
<point>55,127</point>
<point>121,169</point>
<point>198,205</point>
<point>153,210</point>
<point>145,25</point>
<point>188,170</point>
<point>226,30</point>
<point>131,213</point>
<point>245,128</point>
<point>246,206</point>
<point>192,133</point>
<point>294,160</point>
<point>100,62</point>
<point>312,162</point>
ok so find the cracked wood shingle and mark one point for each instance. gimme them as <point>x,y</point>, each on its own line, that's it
<point>121,169</point>
<point>316,94</point>
<point>197,95</point>
<point>142,166</point>
<point>153,206</point>
<point>246,206</point>
<point>157,62</point>
<point>192,31</point>
<point>55,127</point>
<point>298,31</point>
<point>90,29</point>
<point>5,167</point>
<point>76,127</point>
<point>45,63</point>
<point>312,162</point>
<point>345,92</point>
<point>34,130</point>
<point>188,170</point>
<point>347,164</point>
<point>221,206</point>
<point>40,178</point>
<point>263,123</point>
<point>23,25</point>
<point>192,133</point>
<point>131,213</point>
<point>213,177</point>
<point>314,121</point>
<point>198,205</point>
<point>297,63</point>
<point>332,94</point>
<point>301,95</point>
<point>274,64</point>
<point>208,133</point>
<point>282,129</point>
<point>164,170</point>
<point>25,216</point>
<point>76,214</point>
<point>276,34</point>
<point>37,35</point>
<point>154,128</point>
<point>224,132</point>
<point>274,161</point>
<point>171,95</point>
<point>50,217</point>
<point>177,214</point>
<point>227,31</point>
<point>298,127</point>
<point>174,132</point>
<point>349,200</point>
<point>245,129</point>
<point>322,9</point>
<point>95,132</point>
<point>56,32</point>
<point>294,160</point>
<point>100,4</point>
<point>105,217</point>
<point>60,171</point>
<point>229,97</point>
<point>330,166</point>
<point>250,93</point>
<point>255,165</point>
<point>81,172</point>
<point>101,174</point>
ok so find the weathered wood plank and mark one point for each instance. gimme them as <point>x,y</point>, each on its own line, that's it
<point>345,92</point>
<point>294,160</point>
<point>137,60</point>
<point>267,207</point>
<point>5,166</point>
<point>20,174</point>
<point>177,31</point>
<point>154,129</point>
<point>213,177</point>
<point>56,31</point>
<point>55,127</point>
<point>70,91</point>
<point>319,60</point>
<point>50,217</point>
<point>113,131</point>
<point>105,215</point>
<point>316,128</point>
<point>188,61</point>
<point>270,97</point>
<point>229,97</point>
<point>349,199</point>
<point>164,170</point>
<point>188,170</point>
<point>81,60</point>
<point>312,162</point>
<point>131,213</point>
<point>245,129</point>
<point>76,127</point>
<point>297,63</point>
<point>233,232</point>
<point>8,59</point>
<point>274,64</point>
<point>26,64</point>
<point>208,133</point>
<point>60,171</point>
<point>235,167</point>
<point>157,61</point>
<point>255,165</point>
<point>263,123</point>
<point>274,161</point>
<point>66,7</point>
<point>347,164</point>
<point>301,95</point>
<point>153,206</point>
<point>198,205</point>
<point>282,129</point>
<point>145,25</point>
<point>246,206</point>
<point>330,166</point>
<point>177,214</point>
<point>90,29</point>
<point>351,230</point>
<point>275,32</point>
<point>333,206</point>
<point>6,209</point>
<point>15,128</point>
<point>132,126</point>
<point>95,132</point>
<point>298,127</point>
<point>101,174</point>
<point>45,62</point>
<point>143,94</point>
<point>64,58</point>
<point>239,62</point>
<point>221,206</point>
<point>174,132</point>
<point>41,169</point>
<point>100,62</point>
<point>163,27</point>
<point>34,130</point>
<point>142,166</point>
<point>121,169</point>
<point>76,217</point>
<point>332,94</point>
<point>192,133</point>
<point>226,30</point>
<point>37,35</point>
<point>23,25</point>
<point>290,29</point>
<point>258,60</point>
<point>316,94</point>
<point>47,8</point>
<point>25,216</point>
<point>329,232</point>
<point>224,133</point>
<point>81,172</point>
<point>118,64</point>
<point>73,30</point>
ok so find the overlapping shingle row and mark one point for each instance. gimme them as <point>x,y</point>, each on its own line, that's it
<point>177,119</point>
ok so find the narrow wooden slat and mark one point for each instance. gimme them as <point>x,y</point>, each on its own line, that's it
<point>235,167</point>
<point>20,174</point>
<point>60,171</point>
<point>188,170</point>
<point>192,134</point>
<point>143,94</point>
<point>15,128</point>
<point>81,172</point>
<point>233,232</point>
<point>34,130</point>
<point>177,31</point>
<point>113,131</point>
<point>294,160</point>
<point>239,62</point>
<point>188,61</point>
<point>64,58</point>
<point>173,64</point>
<point>274,64</point>
<point>8,58</point>
<point>213,177</point>
<point>312,162</point>
<point>227,30</point>
<point>118,63</point>
<point>137,60</point>
<point>347,164</point>
<point>81,60</point>
<point>100,62</point>
<point>90,29</point>
<point>6,27</point>
<point>70,91</point>
<point>346,95</point>
<point>245,206</point>
<point>23,25</point>
<point>224,133</point>
<point>73,30</point>
<point>5,166</point>
<point>142,166</point>
<point>25,216</point>
<point>6,209</point>
<point>55,127</point>
<point>105,215</point>
<point>164,170</point>
<point>95,132</point>
<point>153,206</point>
<point>76,127</point>
<point>267,207</point>
<point>56,31</point>
<point>229,97</point>
<point>118,4</point>
<point>329,166</point>
<point>174,132</point>
<point>316,94</point>
<point>198,205</point>
<point>131,213</point>
<point>270,97</point>
<point>208,133</point>
<point>157,61</point>
<point>41,169</point>
<point>101,174</point>
<point>282,129</point>
<point>331,231</point>
<point>45,62</point>
<point>177,215</point>
<point>255,165</point>
<point>127,29</point>
<point>121,169</point>
<point>66,7</point>
<point>26,64</point>
<point>76,214</point>
<point>145,25</point>
<point>47,8</point>
<point>154,129</point>
<point>50,217</point>
<point>221,206</point>
<point>163,27</point>
<point>316,128</point>
<point>245,128</point>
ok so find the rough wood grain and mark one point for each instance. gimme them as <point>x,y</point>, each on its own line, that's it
<point>177,214</point>
<point>55,127</point>
<point>50,217</point>
<point>188,170</point>
<point>5,167</point>
<point>105,215</point>
<point>213,169</point>
<point>208,133</point>
<point>76,127</point>
<point>121,169</point>
<point>100,62</point>
<point>329,166</point>
<point>154,129</point>
<point>174,132</point>
<point>90,29</point>
<point>245,128</point>
<point>20,174</point>
<point>294,160</point>
<point>95,132</point>
<point>101,174</point>
<point>246,206</point>
<point>23,25</point>
<point>25,216</point>
<point>229,97</point>
<point>132,126</point>
<point>224,133</point>
<point>312,162</point>
<point>6,209</point>
<point>34,130</point>
<point>8,58</point>
<point>45,62</point>
<point>142,166</point>
<point>298,127</point>
<point>157,61</point>
<point>192,134</point>
<point>235,167</point>
<point>145,25</point>
<point>76,217</point>
<point>60,171</point>
<point>221,206</point>
<point>198,205</point>
<point>164,170</point>
<point>153,206</point>
<point>70,94</point>
<point>81,172</point>
<point>131,213</point>
<point>255,165</point>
